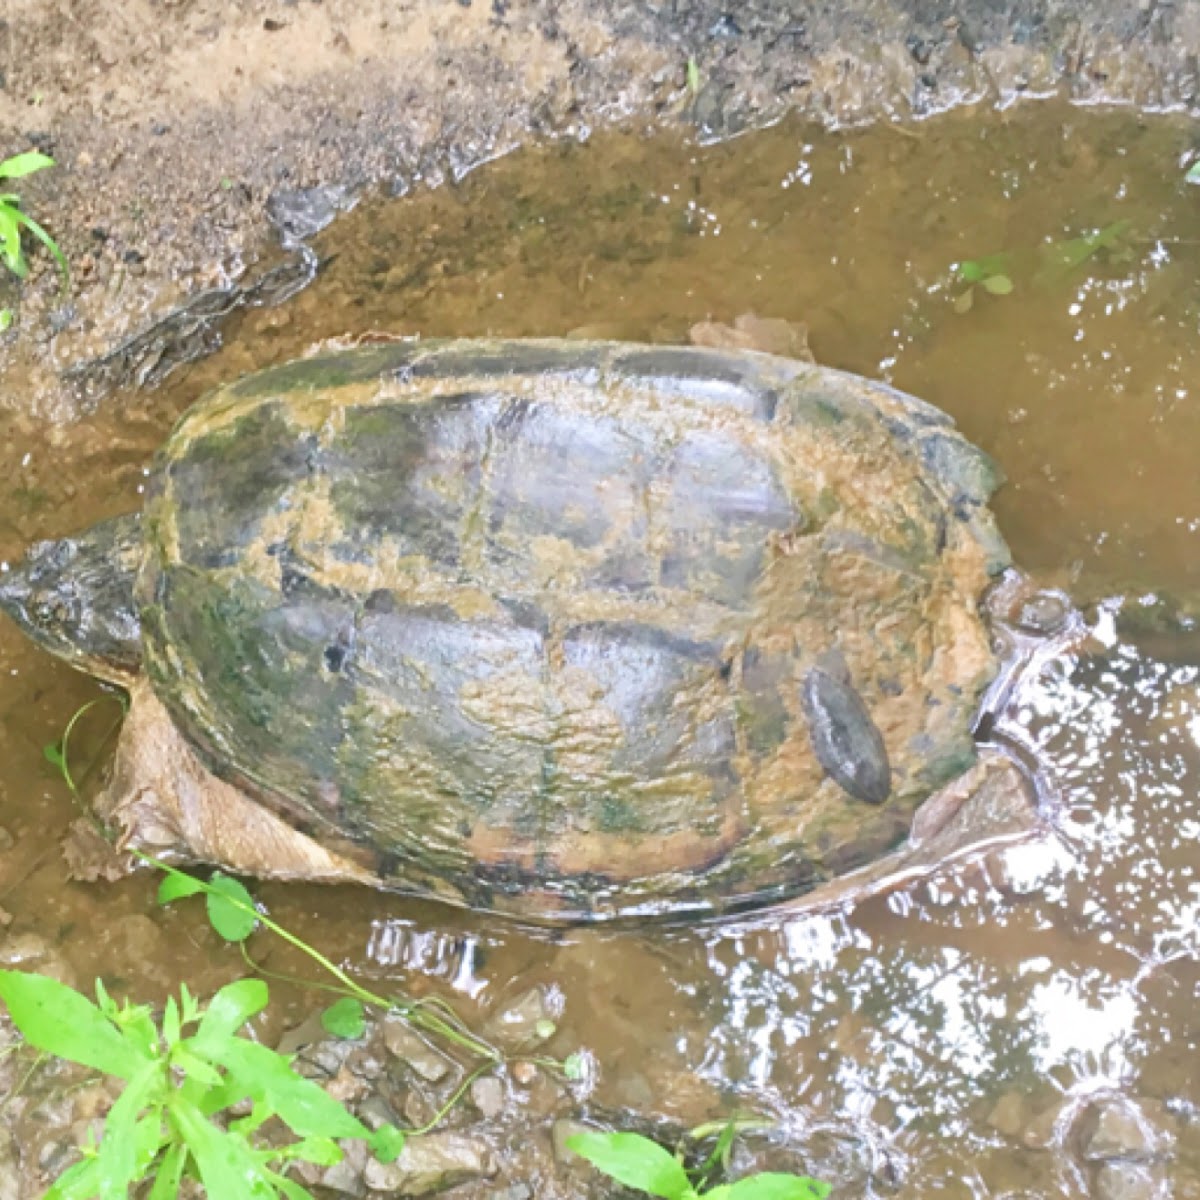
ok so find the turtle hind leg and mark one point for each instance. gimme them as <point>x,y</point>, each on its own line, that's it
<point>163,801</point>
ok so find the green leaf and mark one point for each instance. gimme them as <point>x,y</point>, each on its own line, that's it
<point>176,885</point>
<point>47,241</point>
<point>24,164</point>
<point>772,1186</point>
<point>77,1182</point>
<point>211,1100</point>
<point>724,1146</point>
<point>323,1151</point>
<point>978,269</point>
<point>693,76</point>
<point>130,1142</point>
<point>227,1165</point>
<point>267,1076</point>
<point>6,319</point>
<point>137,1025</point>
<point>230,908</point>
<point>107,1005</point>
<point>345,1018</point>
<point>1193,172</point>
<point>170,1022</point>
<point>634,1161</point>
<point>194,1067</point>
<point>56,1018</point>
<point>10,242</point>
<point>258,1116</point>
<point>574,1066</point>
<point>387,1142</point>
<point>289,1187</point>
<point>998,285</point>
<point>1061,257</point>
<point>191,1009</point>
<point>229,1010</point>
<point>169,1173</point>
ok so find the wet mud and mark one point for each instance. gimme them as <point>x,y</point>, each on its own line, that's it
<point>194,139</point>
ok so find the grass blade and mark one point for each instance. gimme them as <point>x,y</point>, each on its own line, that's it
<point>24,164</point>
<point>42,236</point>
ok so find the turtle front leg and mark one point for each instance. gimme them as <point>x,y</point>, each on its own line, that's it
<point>163,801</point>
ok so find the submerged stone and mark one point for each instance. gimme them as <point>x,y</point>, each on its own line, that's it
<point>431,1163</point>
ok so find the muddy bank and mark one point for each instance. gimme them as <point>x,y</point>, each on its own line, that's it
<point>187,133</point>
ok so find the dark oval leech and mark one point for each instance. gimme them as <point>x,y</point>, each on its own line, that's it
<point>845,739</point>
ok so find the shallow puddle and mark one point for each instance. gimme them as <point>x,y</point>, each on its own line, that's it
<point>922,1037</point>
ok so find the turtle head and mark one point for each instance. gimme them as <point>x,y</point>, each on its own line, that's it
<point>74,597</point>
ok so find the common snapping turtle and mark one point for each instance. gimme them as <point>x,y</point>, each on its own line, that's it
<point>559,629</point>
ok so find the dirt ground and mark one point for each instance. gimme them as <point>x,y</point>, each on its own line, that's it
<point>187,131</point>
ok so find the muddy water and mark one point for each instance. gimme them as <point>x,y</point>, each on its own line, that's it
<point>942,1037</point>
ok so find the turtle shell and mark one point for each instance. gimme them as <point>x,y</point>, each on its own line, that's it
<point>574,629</point>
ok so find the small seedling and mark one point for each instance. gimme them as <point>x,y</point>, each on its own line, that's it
<point>14,220</point>
<point>1060,258</point>
<point>994,273</point>
<point>693,77</point>
<point>990,273</point>
<point>638,1162</point>
<point>182,1076</point>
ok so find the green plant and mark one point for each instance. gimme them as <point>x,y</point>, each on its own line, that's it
<point>14,220</point>
<point>182,1076</point>
<point>638,1162</point>
<point>990,273</point>
<point>1052,262</point>
<point>1060,258</point>
<point>234,916</point>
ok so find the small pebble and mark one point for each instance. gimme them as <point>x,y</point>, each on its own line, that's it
<point>1126,1181</point>
<point>487,1094</point>
<point>375,1112</point>
<point>346,1086</point>
<point>1117,1128</point>
<point>524,1073</point>
<point>413,1050</point>
<point>562,1130</point>
<point>529,1019</point>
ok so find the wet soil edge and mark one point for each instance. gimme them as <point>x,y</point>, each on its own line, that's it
<point>183,128</point>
